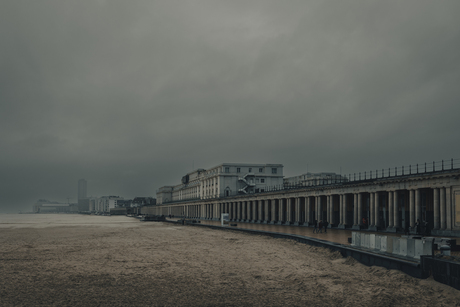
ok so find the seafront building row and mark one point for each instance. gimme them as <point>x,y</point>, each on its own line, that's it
<point>389,200</point>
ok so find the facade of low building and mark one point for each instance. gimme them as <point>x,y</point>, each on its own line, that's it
<point>45,206</point>
<point>223,180</point>
<point>105,203</point>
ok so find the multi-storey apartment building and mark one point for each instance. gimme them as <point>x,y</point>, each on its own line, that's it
<point>105,203</point>
<point>226,179</point>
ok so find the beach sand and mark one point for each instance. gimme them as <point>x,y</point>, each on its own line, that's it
<point>75,260</point>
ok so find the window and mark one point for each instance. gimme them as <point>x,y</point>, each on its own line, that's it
<point>227,169</point>
<point>238,170</point>
<point>262,190</point>
<point>262,180</point>
<point>273,170</point>
<point>250,169</point>
<point>257,190</point>
<point>257,180</point>
<point>261,170</point>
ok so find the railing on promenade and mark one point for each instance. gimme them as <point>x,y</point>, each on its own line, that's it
<point>403,171</point>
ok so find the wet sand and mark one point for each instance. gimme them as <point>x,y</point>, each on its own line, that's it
<point>74,260</point>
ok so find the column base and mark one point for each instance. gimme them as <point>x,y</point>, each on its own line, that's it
<point>372,228</point>
<point>356,227</point>
<point>341,226</point>
<point>296,224</point>
<point>391,229</point>
<point>280,223</point>
<point>272,222</point>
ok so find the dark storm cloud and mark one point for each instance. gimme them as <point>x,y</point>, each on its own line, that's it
<point>132,95</point>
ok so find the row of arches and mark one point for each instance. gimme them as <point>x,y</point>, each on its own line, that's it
<point>388,210</point>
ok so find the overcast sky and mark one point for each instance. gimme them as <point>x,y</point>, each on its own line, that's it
<point>132,95</point>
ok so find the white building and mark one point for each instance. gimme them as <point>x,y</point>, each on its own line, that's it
<point>105,203</point>
<point>226,179</point>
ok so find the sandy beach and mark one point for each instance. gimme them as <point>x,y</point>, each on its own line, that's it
<point>75,260</point>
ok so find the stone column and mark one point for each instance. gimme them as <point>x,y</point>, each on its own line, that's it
<point>391,221</point>
<point>289,210</point>
<point>412,208</point>
<point>316,209</point>
<point>360,208</point>
<point>319,208</point>
<point>281,216</point>
<point>297,211</point>
<point>333,217</point>
<point>376,210</point>
<point>371,209</point>
<point>449,219</point>
<point>261,203</point>
<point>331,206</point>
<point>442,197</point>
<point>255,204</point>
<point>273,217</point>
<point>436,208</point>
<point>248,210</point>
<point>355,209</point>
<point>266,205</point>
<point>345,202</point>
<point>307,209</point>
<point>418,205</point>
<point>238,210</point>
<point>396,210</point>
<point>340,209</point>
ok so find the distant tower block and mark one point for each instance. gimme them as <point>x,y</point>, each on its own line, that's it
<point>81,189</point>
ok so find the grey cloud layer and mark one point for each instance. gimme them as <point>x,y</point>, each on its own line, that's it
<point>131,95</point>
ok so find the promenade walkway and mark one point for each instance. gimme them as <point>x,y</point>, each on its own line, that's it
<point>333,235</point>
